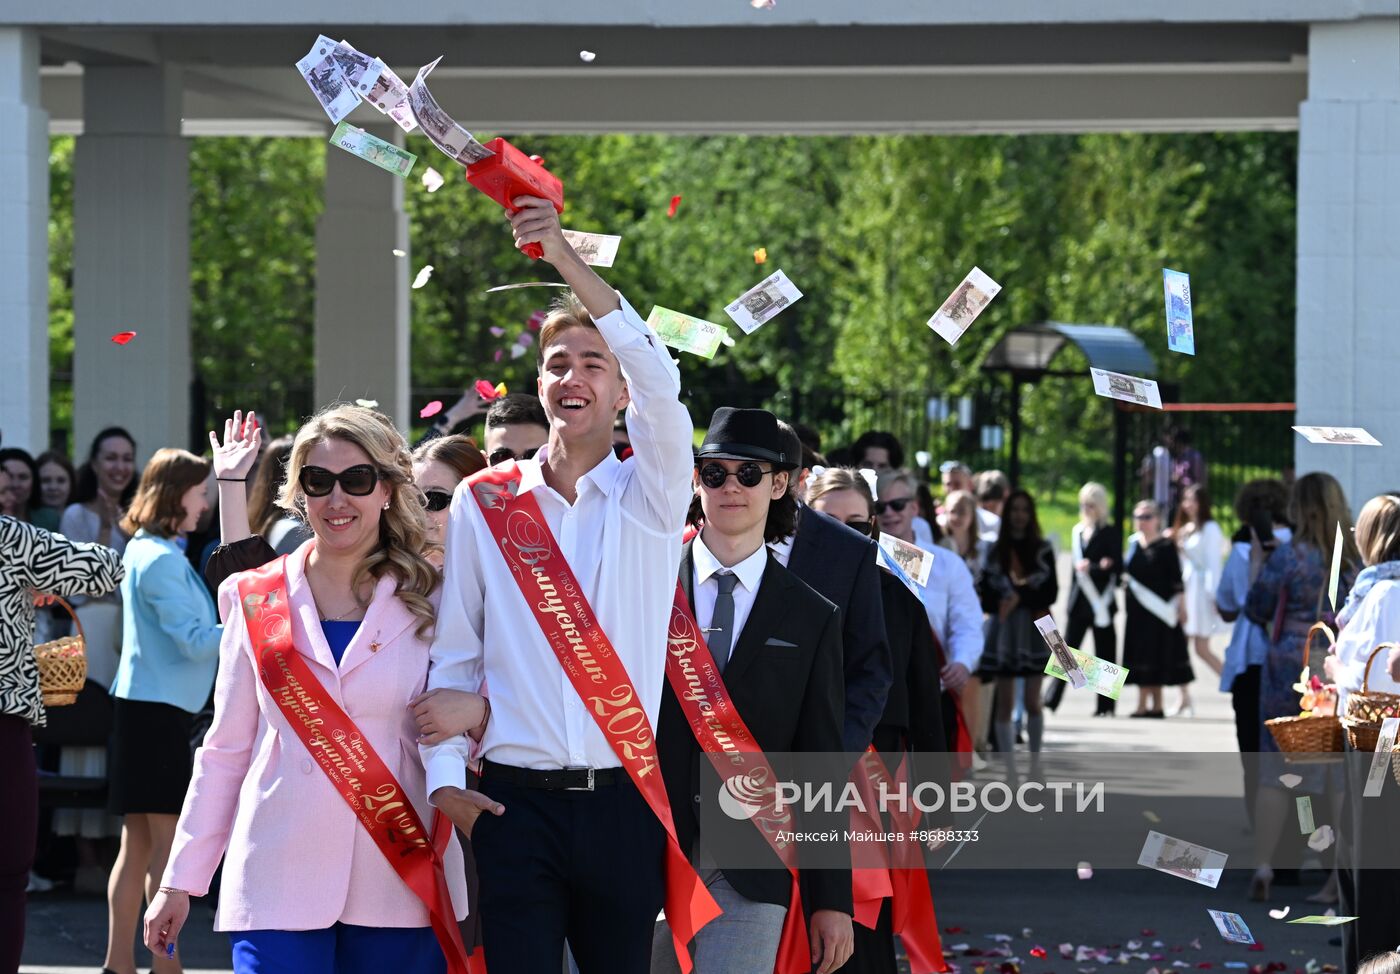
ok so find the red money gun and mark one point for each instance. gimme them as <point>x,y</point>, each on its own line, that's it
<point>511,173</point>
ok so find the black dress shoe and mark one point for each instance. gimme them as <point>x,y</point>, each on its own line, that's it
<point>1156,713</point>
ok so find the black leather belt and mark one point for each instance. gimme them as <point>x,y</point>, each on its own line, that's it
<point>552,779</point>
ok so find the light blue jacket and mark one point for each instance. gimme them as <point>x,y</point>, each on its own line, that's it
<point>170,628</point>
<point>1249,643</point>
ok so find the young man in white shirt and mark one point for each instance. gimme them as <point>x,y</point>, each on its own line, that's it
<point>777,644</point>
<point>572,850</point>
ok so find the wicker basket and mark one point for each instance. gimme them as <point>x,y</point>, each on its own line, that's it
<point>1308,733</point>
<point>62,664</point>
<point>1367,708</point>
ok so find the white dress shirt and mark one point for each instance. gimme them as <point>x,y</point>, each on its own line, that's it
<point>782,550</point>
<point>706,590</point>
<point>953,609</point>
<point>1377,620</point>
<point>621,537</point>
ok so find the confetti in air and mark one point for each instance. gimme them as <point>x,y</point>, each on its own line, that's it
<point>489,392</point>
<point>675,205</point>
<point>122,337</point>
<point>423,276</point>
<point>431,409</point>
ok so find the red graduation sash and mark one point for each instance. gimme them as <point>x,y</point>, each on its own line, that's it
<point>912,913</point>
<point>723,735</point>
<point>358,774</point>
<point>556,599</point>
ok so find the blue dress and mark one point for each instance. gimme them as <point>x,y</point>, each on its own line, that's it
<point>1297,574</point>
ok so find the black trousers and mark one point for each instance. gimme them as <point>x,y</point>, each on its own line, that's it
<point>19,822</point>
<point>1368,847</point>
<point>586,867</point>
<point>1244,697</point>
<point>1081,621</point>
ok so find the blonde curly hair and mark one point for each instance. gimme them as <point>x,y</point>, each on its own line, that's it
<point>403,525</point>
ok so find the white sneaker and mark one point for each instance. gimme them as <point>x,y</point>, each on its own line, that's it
<point>978,762</point>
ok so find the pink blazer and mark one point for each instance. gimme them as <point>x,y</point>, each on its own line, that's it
<point>295,857</point>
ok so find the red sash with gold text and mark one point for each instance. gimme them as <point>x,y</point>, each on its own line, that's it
<point>723,735</point>
<point>556,599</point>
<point>912,914</point>
<point>354,769</point>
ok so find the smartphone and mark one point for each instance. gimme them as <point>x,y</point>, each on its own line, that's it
<point>1263,526</point>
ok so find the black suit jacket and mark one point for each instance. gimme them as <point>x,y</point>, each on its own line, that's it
<point>791,698</point>
<point>840,564</point>
<point>914,720</point>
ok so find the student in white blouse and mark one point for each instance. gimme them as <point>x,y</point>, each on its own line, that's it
<point>1371,615</point>
<point>576,853</point>
<point>1369,618</point>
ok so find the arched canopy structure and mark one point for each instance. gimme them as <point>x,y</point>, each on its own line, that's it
<point>1027,353</point>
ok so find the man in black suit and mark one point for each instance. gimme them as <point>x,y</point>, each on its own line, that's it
<point>841,565</point>
<point>778,645</point>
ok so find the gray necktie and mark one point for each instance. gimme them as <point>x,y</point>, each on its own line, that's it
<point>721,637</point>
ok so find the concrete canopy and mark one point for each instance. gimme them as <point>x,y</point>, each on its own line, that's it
<point>829,66</point>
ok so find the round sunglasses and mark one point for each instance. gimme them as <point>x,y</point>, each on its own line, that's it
<point>749,474</point>
<point>357,481</point>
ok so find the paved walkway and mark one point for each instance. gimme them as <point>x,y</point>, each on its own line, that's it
<point>66,932</point>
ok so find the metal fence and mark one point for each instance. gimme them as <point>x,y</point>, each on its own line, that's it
<point>1240,442</point>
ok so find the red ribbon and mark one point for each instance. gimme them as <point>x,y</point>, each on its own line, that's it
<point>354,769</point>
<point>556,598</point>
<point>723,735</point>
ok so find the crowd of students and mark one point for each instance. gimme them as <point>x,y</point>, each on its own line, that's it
<point>399,644</point>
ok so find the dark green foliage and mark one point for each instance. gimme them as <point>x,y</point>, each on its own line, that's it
<point>876,231</point>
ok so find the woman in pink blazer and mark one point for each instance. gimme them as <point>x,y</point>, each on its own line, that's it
<point>305,887</point>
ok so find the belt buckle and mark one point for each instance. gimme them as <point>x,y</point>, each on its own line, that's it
<point>587,787</point>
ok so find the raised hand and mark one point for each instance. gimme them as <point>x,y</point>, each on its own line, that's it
<point>234,457</point>
<point>537,222</point>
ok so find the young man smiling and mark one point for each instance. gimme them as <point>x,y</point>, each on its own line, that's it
<point>574,850</point>
<point>777,644</point>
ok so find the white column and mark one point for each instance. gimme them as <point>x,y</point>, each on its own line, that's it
<point>361,287</point>
<point>24,245</point>
<point>1348,325</point>
<point>131,247</point>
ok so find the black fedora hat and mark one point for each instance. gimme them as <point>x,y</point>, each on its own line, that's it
<point>746,434</point>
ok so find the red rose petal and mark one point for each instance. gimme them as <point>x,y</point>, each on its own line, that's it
<point>1038,952</point>
<point>122,337</point>
<point>675,204</point>
<point>485,389</point>
<point>431,409</point>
